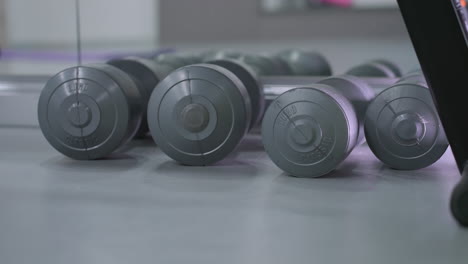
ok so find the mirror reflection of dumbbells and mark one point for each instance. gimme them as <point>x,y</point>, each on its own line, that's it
<point>89,112</point>
<point>376,68</point>
<point>200,113</point>
<point>291,62</point>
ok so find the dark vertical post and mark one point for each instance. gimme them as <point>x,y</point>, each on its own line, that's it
<point>440,45</point>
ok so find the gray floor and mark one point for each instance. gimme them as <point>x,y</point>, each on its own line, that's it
<point>140,207</point>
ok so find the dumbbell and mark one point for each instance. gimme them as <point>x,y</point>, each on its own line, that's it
<point>309,130</point>
<point>376,68</point>
<point>146,74</point>
<point>305,63</point>
<point>88,112</point>
<point>402,127</point>
<point>200,113</point>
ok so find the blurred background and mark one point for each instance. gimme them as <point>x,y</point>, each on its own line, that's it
<point>40,36</point>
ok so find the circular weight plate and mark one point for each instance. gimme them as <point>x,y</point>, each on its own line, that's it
<point>358,92</point>
<point>199,113</point>
<point>390,65</point>
<point>306,62</point>
<point>402,128</point>
<point>308,132</point>
<point>84,112</point>
<point>371,69</point>
<point>144,72</point>
<point>249,79</point>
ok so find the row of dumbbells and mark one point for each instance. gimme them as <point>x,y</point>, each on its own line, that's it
<point>90,111</point>
<point>198,113</point>
<point>310,130</point>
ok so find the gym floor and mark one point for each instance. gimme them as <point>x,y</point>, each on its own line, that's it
<point>141,207</point>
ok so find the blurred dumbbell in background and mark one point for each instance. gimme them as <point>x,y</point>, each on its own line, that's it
<point>376,68</point>
<point>305,63</point>
<point>378,80</point>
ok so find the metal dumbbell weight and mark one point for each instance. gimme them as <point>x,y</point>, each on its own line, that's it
<point>200,113</point>
<point>402,126</point>
<point>146,74</point>
<point>376,68</point>
<point>305,63</point>
<point>88,112</point>
<point>308,131</point>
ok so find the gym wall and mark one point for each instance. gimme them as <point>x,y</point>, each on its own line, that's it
<point>188,20</point>
<point>51,23</point>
